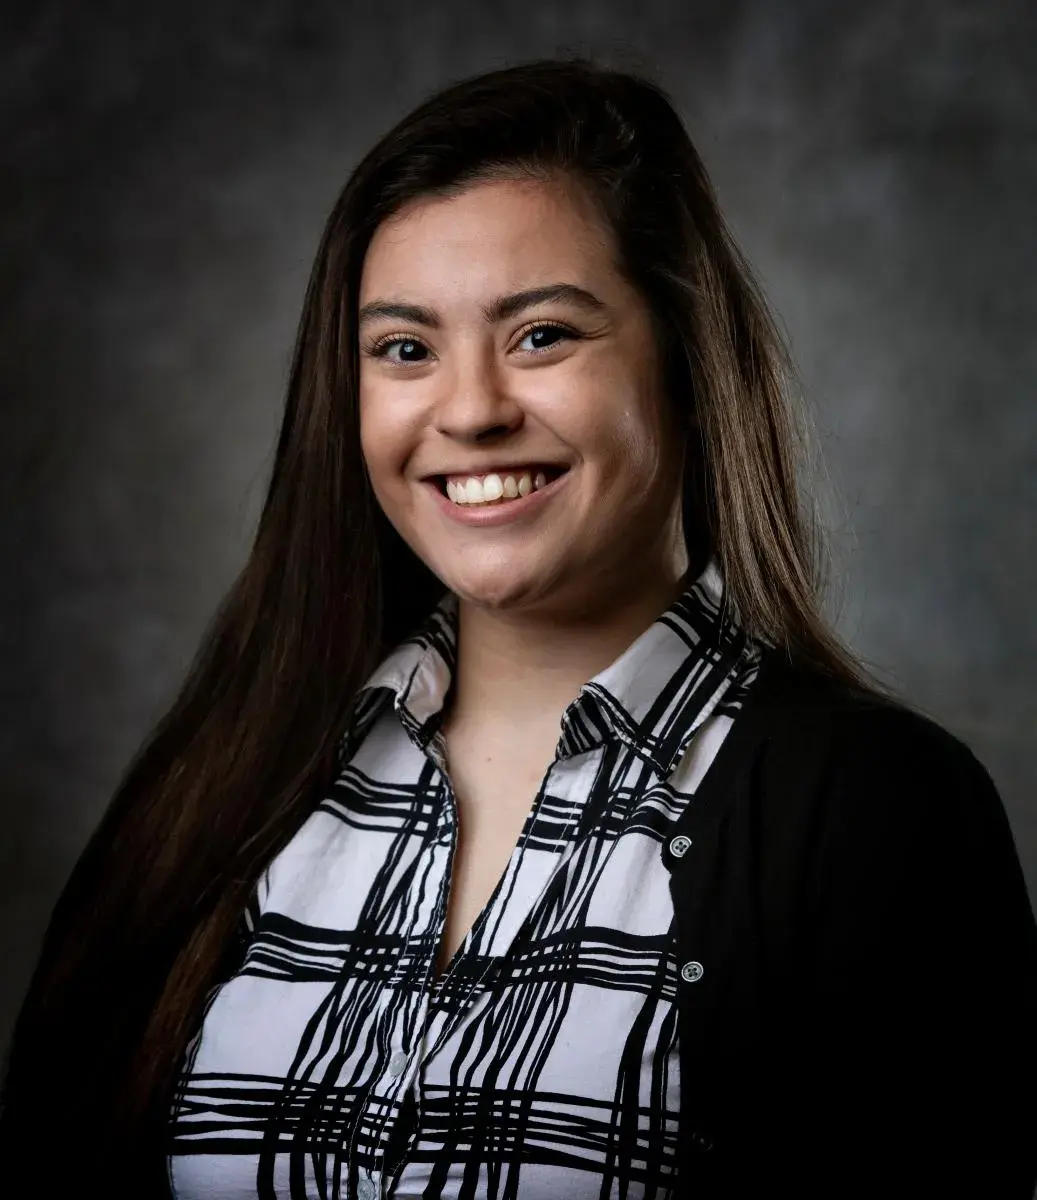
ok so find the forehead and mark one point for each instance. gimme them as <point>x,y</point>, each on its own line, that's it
<point>493,235</point>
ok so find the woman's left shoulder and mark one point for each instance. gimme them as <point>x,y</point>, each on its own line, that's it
<point>872,759</point>
<point>886,812</point>
<point>879,737</point>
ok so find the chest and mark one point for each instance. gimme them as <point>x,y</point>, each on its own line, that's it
<point>495,785</point>
<point>556,1011</point>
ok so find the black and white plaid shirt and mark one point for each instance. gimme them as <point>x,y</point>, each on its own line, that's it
<point>543,1064</point>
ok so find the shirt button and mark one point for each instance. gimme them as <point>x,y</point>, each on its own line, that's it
<point>692,972</point>
<point>366,1190</point>
<point>398,1063</point>
<point>680,845</point>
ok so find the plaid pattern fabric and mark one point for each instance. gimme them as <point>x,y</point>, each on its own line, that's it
<point>543,1063</point>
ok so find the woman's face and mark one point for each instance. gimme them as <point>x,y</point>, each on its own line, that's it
<point>502,353</point>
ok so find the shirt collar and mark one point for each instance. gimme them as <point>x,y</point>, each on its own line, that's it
<point>653,697</point>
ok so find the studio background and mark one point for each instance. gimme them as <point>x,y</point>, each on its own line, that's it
<point>167,169</point>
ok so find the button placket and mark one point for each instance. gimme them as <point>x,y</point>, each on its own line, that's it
<point>399,1033</point>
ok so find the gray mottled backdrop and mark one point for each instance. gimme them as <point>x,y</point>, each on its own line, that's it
<point>166,172</point>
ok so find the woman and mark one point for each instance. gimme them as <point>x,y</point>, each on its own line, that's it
<point>522,829</point>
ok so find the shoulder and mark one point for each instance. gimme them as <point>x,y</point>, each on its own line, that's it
<point>824,729</point>
<point>892,904</point>
<point>869,779</point>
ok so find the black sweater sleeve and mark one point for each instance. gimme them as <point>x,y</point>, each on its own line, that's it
<point>916,1007</point>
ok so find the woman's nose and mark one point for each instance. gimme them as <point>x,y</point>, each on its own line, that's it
<point>476,402</point>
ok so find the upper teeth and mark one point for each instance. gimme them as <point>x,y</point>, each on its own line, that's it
<point>493,487</point>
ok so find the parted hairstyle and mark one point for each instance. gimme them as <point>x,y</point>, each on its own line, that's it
<point>142,930</point>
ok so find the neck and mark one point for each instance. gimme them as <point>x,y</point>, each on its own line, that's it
<point>525,667</point>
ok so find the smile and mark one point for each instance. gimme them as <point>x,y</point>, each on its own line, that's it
<point>497,497</point>
<point>497,488</point>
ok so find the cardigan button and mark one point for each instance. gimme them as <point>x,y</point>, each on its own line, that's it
<point>700,1140</point>
<point>680,845</point>
<point>692,972</point>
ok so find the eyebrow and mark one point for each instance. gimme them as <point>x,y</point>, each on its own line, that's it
<point>497,310</point>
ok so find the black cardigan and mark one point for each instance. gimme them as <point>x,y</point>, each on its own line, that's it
<point>862,1018</point>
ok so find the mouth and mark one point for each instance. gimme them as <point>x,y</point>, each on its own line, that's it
<point>497,488</point>
<point>497,498</point>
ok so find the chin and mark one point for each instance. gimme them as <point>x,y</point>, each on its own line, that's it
<point>501,597</point>
<point>500,587</point>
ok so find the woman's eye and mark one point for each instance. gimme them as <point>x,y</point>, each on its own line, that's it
<point>405,351</point>
<point>545,337</point>
<point>410,351</point>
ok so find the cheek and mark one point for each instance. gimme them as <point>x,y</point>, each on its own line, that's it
<point>637,438</point>
<point>628,439</point>
<point>615,414</point>
<point>644,429</point>
<point>386,439</point>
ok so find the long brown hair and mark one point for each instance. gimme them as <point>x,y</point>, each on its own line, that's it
<point>140,934</point>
